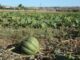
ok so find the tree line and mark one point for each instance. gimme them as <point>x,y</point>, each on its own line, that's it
<point>20,7</point>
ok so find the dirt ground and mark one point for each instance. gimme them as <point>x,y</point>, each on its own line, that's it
<point>7,45</point>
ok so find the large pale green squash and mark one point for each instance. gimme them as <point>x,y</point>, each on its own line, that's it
<point>30,45</point>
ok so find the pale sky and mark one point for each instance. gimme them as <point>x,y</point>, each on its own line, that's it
<point>43,3</point>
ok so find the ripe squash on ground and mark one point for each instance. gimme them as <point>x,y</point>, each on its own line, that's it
<point>30,46</point>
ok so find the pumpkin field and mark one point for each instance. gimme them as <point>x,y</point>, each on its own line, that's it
<point>39,36</point>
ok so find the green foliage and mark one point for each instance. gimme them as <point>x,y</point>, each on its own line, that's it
<point>38,20</point>
<point>47,26</point>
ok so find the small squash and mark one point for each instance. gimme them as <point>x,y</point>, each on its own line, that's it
<point>30,46</point>
<point>43,25</point>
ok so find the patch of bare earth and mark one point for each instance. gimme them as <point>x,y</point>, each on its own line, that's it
<point>8,54</point>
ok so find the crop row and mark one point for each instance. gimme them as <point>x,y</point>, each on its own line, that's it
<point>39,20</point>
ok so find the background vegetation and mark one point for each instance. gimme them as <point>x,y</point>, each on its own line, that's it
<point>51,29</point>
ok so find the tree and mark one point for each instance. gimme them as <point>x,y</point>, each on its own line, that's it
<point>1,7</point>
<point>20,6</point>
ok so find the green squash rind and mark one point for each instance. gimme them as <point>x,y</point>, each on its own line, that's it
<point>30,46</point>
<point>27,51</point>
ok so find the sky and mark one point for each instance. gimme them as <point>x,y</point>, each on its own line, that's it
<point>42,3</point>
